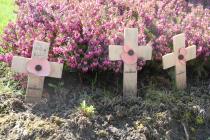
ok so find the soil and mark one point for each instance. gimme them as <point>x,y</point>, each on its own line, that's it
<point>160,112</point>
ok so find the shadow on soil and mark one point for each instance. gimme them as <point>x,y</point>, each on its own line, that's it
<point>159,112</point>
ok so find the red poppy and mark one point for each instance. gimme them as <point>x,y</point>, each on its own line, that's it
<point>182,55</point>
<point>128,56</point>
<point>38,67</point>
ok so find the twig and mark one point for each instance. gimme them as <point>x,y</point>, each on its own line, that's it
<point>185,130</point>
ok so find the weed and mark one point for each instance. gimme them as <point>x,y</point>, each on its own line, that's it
<point>57,88</point>
<point>87,110</point>
<point>7,83</point>
<point>199,120</point>
<point>94,82</point>
<point>102,133</point>
<point>56,120</point>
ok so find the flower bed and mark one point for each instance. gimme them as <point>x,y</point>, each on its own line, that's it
<point>80,31</point>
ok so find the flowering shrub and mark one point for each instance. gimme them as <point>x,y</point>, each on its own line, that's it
<point>81,30</point>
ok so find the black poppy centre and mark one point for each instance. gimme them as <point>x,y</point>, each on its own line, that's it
<point>38,67</point>
<point>130,52</point>
<point>181,57</point>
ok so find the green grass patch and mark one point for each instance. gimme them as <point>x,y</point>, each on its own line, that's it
<point>7,14</point>
<point>8,85</point>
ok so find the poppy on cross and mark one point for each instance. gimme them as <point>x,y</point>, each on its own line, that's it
<point>178,58</point>
<point>37,67</point>
<point>129,54</point>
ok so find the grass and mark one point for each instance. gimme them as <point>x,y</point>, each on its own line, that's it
<point>7,7</point>
<point>7,83</point>
<point>7,14</point>
<point>87,110</point>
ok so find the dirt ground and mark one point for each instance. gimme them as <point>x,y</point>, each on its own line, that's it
<point>160,112</point>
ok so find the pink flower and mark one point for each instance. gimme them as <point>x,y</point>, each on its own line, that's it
<point>84,29</point>
<point>8,58</point>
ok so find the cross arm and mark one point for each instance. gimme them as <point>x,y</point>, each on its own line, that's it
<point>191,52</point>
<point>114,52</point>
<point>56,69</point>
<point>144,52</point>
<point>169,60</point>
<point>19,64</point>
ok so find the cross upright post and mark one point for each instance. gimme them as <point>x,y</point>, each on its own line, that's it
<point>178,58</point>
<point>37,68</point>
<point>130,53</point>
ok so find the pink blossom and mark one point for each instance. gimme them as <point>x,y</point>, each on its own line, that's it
<point>81,31</point>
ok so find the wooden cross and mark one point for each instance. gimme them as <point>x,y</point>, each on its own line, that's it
<point>129,53</point>
<point>36,82</point>
<point>179,58</point>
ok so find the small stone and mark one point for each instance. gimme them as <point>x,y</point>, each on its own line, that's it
<point>58,121</point>
<point>110,118</point>
<point>120,111</point>
<point>143,137</point>
<point>105,124</point>
<point>17,105</point>
<point>113,129</point>
<point>168,135</point>
<point>196,108</point>
<point>156,134</point>
<point>162,106</point>
<point>102,133</point>
<point>59,137</point>
<point>146,130</point>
